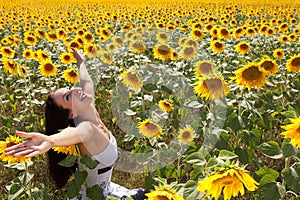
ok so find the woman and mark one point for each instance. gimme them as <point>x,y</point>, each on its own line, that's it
<point>64,107</point>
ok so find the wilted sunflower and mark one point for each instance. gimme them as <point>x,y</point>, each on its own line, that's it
<point>243,47</point>
<point>203,67</point>
<point>30,40</point>
<point>211,88</point>
<point>270,66</point>
<point>217,46</point>
<point>165,105</point>
<point>23,71</point>
<point>131,79</point>
<point>293,64</point>
<point>162,37</point>
<point>7,52</point>
<point>47,68</point>
<point>250,76</point>
<point>278,53</point>
<point>67,58</point>
<point>231,181</point>
<point>188,53</point>
<point>10,66</point>
<point>106,57</point>
<point>292,131</point>
<point>163,194</point>
<point>186,135</point>
<point>71,150</point>
<point>137,46</point>
<point>150,129</point>
<point>27,53</point>
<point>10,141</point>
<point>162,51</point>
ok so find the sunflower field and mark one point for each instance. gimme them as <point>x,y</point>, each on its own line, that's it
<point>203,97</point>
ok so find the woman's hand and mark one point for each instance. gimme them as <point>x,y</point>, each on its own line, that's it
<point>36,144</point>
<point>80,57</point>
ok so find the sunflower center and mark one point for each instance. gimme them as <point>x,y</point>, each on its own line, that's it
<point>67,57</point>
<point>163,36</point>
<point>132,77</point>
<point>224,32</point>
<point>160,197</point>
<point>205,68</point>
<point>189,51</point>
<point>197,33</point>
<point>296,62</point>
<point>88,36</point>
<point>31,39</point>
<point>73,74</point>
<point>150,126</point>
<point>8,51</point>
<point>106,33</point>
<point>74,45</point>
<point>218,45</point>
<point>267,65</point>
<point>119,41</point>
<point>252,73</point>
<point>107,56</point>
<point>244,46</point>
<point>12,65</point>
<point>138,45</point>
<point>186,134</point>
<point>213,84</point>
<point>48,67</point>
<point>164,50</point>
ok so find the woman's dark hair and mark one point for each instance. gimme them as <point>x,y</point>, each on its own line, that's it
<point>57,118</point>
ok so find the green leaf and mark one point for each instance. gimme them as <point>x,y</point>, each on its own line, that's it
<point>95,193</point>
<point>15,191</point>
<point>226,155</point>
<point>196,158</point>
<point>267,171</point>
<point>212,162</point>
<point>190,190</point>
<point>26,177</point>
<point>74,186</point>
<point>89,162</point>
<point>40,194</point>
<point>292,178</point>
<point>271,149</point>
<point>69,161</point>
<point>288,149</point>
<point>271,191</point>
<point>149,183</point>
<point>268,178</point>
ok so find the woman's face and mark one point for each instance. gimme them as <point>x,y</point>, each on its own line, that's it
<point>72,99</point>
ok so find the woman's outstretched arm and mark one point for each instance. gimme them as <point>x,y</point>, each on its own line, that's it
<point>85,80</point>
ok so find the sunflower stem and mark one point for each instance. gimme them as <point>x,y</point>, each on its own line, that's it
<point>29,184</point>
<point>81,165</point>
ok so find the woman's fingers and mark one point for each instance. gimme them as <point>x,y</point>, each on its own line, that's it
<point>24,134</point>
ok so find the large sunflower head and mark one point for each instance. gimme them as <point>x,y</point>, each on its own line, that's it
<point>270,66</point>
<point>10,66</point>
<point>197,34</point>
<point>250,76</point>
<point>292,131</point>
<point>293,64</point>
<point>203,67</point>
<point>150,129</point>
<point>162,51</point>
<point>10,141</point>
<point>30,40</point>
<point>131,79</point>
<point>47,68</point>
<point>7,52</point>
<point>223,33</point>
<point>186,134</point>
<point>71,75</point>
<point>211,87</point>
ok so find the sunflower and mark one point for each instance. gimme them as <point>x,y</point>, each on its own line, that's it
<point>30,40</point>
<point>74,44</point>
<point>137,47</point>
<point>292,131</point>
<point>211,87</point>
<point>91,50</point>
<point>165,105</point>
<point>191,43</point>
<point>186,135</point>
<point>251,75</point>
<point>163,194</point>
<point>52,37</point>
<point>10,66</point>
<point>10,141</point>
<point>7,52</point>
<point>203,67</point>
<point>162,37</point>
<point>40,33</point>
<point>71,150</point>
<point>174,55</point>
<point>223,33</point>
<point>217,46</point>
<point>47,68</point>
<point>162,51</point>
<point>88,37</point>
<point>232,181</point>
<point>61,33</point>
<point>27,53</point>
<point>42,55</point>
<point>131,79</point>
<point>67,58</point>
<point>23,71</point>
<point>197,34</point>
<point>118,41</point>
<point>293,64</point>
<point>150,129</point>
<point>270,66</point>
<point>243,47</point>
<point>188,52</point>
<point>106,57</point>
<point>278,53</point>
